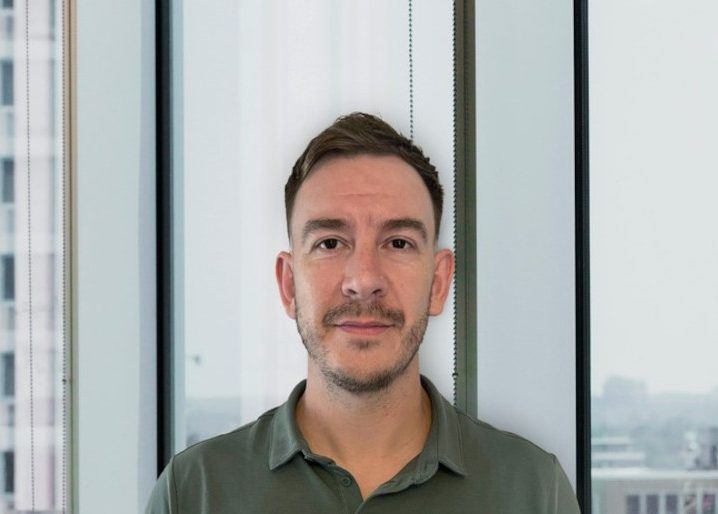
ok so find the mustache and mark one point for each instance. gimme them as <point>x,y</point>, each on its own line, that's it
<point>375,309</point>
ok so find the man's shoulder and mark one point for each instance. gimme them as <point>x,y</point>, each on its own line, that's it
<point>521,472</point>
<point>246,444</point>
<point>218,466</point>
<point>501,447</point>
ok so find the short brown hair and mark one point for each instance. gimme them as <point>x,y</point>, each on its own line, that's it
<point>359,133</point>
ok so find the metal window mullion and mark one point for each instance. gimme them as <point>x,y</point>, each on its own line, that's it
<point>465,364</point>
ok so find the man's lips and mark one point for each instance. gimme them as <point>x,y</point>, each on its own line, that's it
<point>366,328</point>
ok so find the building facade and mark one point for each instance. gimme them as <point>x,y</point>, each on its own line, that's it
<point>30,235</point>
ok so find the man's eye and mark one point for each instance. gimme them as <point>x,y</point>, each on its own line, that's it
<point>329,244</point>
<point>400,244</point>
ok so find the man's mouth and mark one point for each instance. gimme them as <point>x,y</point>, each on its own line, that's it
<point>365,328</point>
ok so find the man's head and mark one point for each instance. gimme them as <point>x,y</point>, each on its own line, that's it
<point>364,274</point>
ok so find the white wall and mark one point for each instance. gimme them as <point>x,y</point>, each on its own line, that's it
<point>114,263</point>
<point>525,221</point>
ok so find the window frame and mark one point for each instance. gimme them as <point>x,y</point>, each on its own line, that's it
<point>110,95</point>
<point>583,304</point>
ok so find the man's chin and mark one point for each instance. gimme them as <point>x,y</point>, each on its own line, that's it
<point>361,383</point>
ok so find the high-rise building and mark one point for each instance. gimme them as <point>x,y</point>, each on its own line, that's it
<point>7,258</point>
<point>30,461</point>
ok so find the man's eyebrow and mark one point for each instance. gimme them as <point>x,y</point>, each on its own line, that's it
<point>322,224</point>
<point>410,223</point>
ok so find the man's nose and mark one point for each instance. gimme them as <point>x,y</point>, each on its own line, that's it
<point>363,275</point>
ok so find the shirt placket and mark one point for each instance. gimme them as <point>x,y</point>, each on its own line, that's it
<point>418,472</point>
<point>346,484</point>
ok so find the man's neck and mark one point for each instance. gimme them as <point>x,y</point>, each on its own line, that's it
<point>357,431</point>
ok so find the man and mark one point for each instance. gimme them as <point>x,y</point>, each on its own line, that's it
<point>365,432</point>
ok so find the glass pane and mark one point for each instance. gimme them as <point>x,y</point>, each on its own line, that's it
<point>33,399</point>
<point>249,94</point>
<point>709,503</point>
<point>653,121</point>
<point>652,502</point>
<point>633,504</point>
<point>8,180</point>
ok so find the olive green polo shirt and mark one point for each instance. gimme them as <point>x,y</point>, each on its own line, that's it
<point>266,466</point>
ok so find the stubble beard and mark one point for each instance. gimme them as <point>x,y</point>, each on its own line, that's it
<point>338,377</point>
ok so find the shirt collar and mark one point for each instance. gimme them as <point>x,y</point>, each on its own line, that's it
<point>284,439</point>
<point>443,445</point>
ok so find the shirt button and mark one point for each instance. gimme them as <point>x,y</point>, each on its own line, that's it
<point>346,481</point>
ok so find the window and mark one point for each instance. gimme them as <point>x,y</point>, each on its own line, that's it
<point>6,83</point>
<point>8,180</point>
<point>709,503</point>
<point>653,249</point>
<point>652,504</point>
<point>8,374</point>
<point>633,504</point>
<point>8,277</point>
<point>9,472</point>
<point>7,4</point>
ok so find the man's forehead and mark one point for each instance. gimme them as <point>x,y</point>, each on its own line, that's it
<point>364,173</point>
<point>365,190</point>
<point>366,180</point>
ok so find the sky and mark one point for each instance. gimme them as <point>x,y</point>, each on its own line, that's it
<point>653,184</point>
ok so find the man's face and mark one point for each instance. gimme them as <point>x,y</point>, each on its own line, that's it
<point>363,275</point>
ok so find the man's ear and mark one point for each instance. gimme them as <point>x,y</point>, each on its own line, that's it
<point>443,273</point>
<point>284,272</point>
